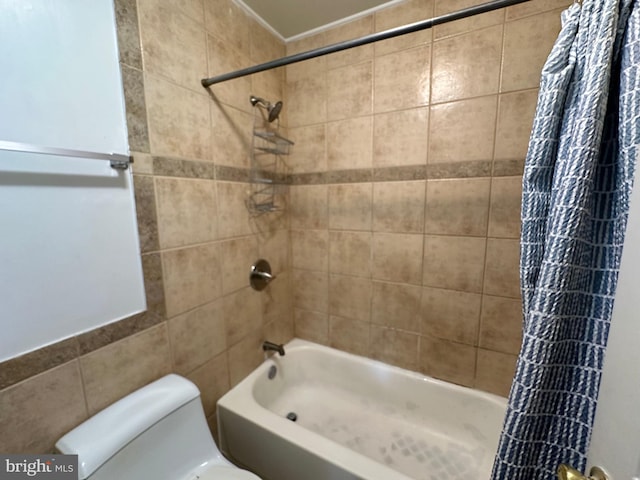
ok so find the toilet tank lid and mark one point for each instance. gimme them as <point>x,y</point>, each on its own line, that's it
<point>100,437</point>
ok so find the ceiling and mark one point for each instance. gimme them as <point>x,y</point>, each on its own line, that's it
<point>294,18</point>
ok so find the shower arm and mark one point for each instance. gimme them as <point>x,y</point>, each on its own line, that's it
<point>374,37</point>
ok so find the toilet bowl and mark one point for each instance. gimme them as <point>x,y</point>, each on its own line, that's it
<point>158,432</point>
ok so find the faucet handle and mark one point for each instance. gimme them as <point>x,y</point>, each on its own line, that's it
<point>260,275</point>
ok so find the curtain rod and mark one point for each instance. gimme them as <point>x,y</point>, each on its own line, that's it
<point>374,37</point>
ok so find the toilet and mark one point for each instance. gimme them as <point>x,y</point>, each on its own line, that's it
<point>158,432</point>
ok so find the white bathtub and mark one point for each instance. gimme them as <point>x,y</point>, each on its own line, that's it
<point>356,418</point>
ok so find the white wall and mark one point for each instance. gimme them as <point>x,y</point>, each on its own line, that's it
<point>615,443</point>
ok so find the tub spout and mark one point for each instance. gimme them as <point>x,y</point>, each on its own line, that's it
<point>266,346</point>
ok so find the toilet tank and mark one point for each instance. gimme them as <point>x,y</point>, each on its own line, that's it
<point>159,432</point>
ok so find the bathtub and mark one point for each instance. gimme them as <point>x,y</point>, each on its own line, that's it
<point>355,418</point>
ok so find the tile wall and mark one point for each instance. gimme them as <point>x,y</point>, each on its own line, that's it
<point>405,203</point>
<point>400,238</point>
<point>191,160</point>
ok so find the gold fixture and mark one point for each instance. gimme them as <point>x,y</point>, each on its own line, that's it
<point>565,472</point>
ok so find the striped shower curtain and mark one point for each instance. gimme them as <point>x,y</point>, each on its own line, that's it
<point>576,187</point>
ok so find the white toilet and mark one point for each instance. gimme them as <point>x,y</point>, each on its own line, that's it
<point>156,433</point>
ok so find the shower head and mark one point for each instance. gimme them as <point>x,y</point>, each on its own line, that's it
<point>274,111</point>
<point>272,108</point>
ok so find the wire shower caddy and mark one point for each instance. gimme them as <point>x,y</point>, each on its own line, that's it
<point>267,168</point>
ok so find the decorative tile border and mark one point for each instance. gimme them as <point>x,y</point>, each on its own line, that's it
<point>480,168</point>
<point>399,174</point>
<point>508,168</point>
<point>25,366</point>
<point>176,167</point>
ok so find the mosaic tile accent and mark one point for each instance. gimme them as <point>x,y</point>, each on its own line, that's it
<point>176,167</point>
<point>20,368</point>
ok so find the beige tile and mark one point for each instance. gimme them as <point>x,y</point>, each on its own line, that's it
<point>349,91</point>
<point>142,163</point>
<point>467,65</point>
<point>397,257</point>
<point>244,357</point>
<point>35,413</point>
<point>191,277</point>
<point>506,197</point>
<point>527,44</point>
<point>515,118</point>
<point>312,326</point>
<point>311,290</point>
<point>502,270</point>
<point>166,35</point>
<point>394,346</point>
<point>187,211</point>
<point>354,29</point>
<point>192,8</point>
<point>495,372</point>
<point>118,369</point>
<point>349,335</point>
<point>212,380</point>
<point>501,324</point>
<point>462,131</point>
<point>307,100</point>
<point>535,6</point>
<point>458,206</point>
<point>233,216</point>
<point>178,120</point>
<point>274,220</point>
<point>457,27</point>
<point>309,207</point>
<point>308,68</point>
<point>406,12</point>
<point>310,249</point>
<point>401,138</point>
<point>350,143</point>
<point>350,253</point>
<point>277,299</point>
<point>309,154</point>
<point>350,297</point>
<point>280,330</point>
<point>454,263</point>
<point>399,207</point>
<point>350,206</point>
<point>197,336</point>
<point>224,58</point>
<point>396,305</point>
<point>242,313</point>
<point>227,20</point>
<point>270,85</point>
<point>237,257</point>
<point>449,361</point>
<point>274,247</point>
<point>230,135</point>
<point>451,315</point>
<point>402,79</point>
<point>265,46</point>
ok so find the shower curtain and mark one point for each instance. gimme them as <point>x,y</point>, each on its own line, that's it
<point>576,186</point>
